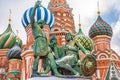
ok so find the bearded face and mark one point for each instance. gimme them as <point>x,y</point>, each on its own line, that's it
<point>68,36</point>
<point>41,23</point>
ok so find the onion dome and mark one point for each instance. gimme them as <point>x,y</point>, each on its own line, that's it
<point>42,13</point>
<point>8,38</point>
<point>15,51</point>
<point>85,41</point>
<point>100,27</point>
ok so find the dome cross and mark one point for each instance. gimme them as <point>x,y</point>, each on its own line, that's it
<point>10,16</point>
<point>79,21</point>
<point>98,8</point>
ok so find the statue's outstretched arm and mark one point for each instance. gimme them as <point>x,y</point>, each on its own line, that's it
<point>81,48</point>
<point>32,20</point>
<point>68,47</point>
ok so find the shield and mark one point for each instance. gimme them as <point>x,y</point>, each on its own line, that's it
<point>88,65</point>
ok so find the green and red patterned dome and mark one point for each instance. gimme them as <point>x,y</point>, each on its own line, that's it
<point>100,27</point>
<point>8,38</point>
<point>85,41</point>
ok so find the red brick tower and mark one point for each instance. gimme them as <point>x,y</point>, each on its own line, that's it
<point>63,20</point>
<point>101,34</point>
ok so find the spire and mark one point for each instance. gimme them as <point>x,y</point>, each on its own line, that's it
<point>17,39</point>
<point>10,16</point>
<point>98,8</point>
<point>79,22</point>
<point>80,31</point>
<point>9,23</point>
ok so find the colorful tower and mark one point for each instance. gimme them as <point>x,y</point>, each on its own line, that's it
<point>14,57</point>
<point>101,34</point>
<point>7,41</point>
<point>63,20</point>
<point>85,41</point>
<point>85,47</point>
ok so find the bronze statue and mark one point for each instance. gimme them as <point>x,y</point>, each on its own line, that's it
<point>57,50</point>
<point>72,62</point>
<point>41,47</point>
<point>65,57</point>
<point>71,57</point>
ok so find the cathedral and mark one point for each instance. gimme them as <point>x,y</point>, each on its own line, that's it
<point>16,59</point>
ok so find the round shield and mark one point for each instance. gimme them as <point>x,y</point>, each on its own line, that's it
<point>88,65</point>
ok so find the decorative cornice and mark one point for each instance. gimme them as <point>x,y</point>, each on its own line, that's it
<point>15,60</point>
<point>4,49</point>
<point>58,32</point>
<point>100,36</point>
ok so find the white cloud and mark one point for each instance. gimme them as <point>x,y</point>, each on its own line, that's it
<point>115,42</point>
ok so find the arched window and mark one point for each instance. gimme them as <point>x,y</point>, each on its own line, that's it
<point>65,19</point>
<point>56,30</point>
<point>64,14</point>
<point>58,14</point>
<point>102,56</point>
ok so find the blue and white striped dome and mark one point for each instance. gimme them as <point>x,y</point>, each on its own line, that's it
<point>15,52</point>
<point>42,13</point>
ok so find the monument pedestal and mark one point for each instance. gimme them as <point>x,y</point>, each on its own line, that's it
<point>60,78</point>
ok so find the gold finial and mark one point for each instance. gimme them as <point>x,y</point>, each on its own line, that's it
<point>79,22</point>
<point>10,16</point>
<point>17,32</point>
<point>98,8</point>
<point>17,39</point>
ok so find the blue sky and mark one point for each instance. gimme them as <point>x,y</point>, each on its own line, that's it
<point>111,16</point>
<point>110,12</point>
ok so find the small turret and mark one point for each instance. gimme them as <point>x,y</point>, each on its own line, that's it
<point>14,57</point>
<point>8,37</point>
<point>100,27</point>
<point>84,40</point>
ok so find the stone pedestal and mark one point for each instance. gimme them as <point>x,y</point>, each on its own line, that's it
<point>60,78</point>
